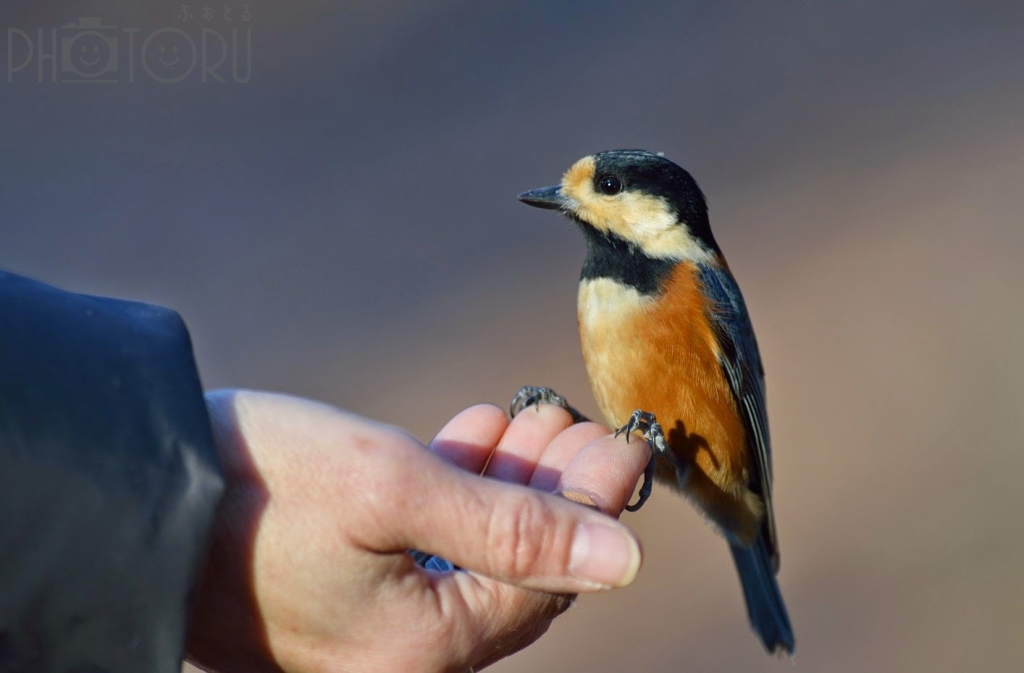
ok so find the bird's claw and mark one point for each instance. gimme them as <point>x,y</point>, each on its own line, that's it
<point>534,396</point>
<point>648,425</point>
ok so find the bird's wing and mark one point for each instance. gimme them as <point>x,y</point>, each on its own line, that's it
<point>741,362</point>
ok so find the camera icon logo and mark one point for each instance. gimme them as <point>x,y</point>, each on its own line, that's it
<point>90,52</point>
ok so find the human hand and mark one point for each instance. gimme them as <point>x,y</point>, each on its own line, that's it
<point>307,568</point>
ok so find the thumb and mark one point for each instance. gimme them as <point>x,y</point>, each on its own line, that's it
<point>507,532</point>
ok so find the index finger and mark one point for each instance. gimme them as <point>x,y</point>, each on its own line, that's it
<point>468,439</point>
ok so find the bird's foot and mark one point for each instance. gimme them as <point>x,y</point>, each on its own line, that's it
<point>648,425</point>
<point>533,396</point>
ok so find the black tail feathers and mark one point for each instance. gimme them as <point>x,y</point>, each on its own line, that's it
<point>765,608</point>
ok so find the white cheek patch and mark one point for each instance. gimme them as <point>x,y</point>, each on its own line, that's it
<point>673,242</point>
<point>643,220</point>
<point>646,218</point>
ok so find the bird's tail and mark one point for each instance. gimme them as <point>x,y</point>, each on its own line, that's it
<point>765,608</point>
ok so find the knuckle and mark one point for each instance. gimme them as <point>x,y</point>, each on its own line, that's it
<point>521,535</point>
<point>383,465</point>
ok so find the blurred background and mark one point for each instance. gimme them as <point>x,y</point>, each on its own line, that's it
<point>339,221</point>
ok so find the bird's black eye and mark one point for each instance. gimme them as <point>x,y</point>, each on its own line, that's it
<point>609,185</point>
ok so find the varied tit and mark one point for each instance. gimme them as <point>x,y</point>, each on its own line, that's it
<point>668,344</point>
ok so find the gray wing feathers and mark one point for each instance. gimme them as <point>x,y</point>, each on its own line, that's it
<point>741,362</point>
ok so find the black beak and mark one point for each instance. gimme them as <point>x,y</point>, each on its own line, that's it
<point>549,198</point>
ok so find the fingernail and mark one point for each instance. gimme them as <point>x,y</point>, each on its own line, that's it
<point>580,497</point>
<point>604,555</point>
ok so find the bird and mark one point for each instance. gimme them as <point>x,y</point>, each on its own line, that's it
<point>668,345</point>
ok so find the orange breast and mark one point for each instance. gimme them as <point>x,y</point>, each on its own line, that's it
<point>661,355</point>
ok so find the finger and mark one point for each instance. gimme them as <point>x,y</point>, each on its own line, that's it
<point>605,472</point>
<point>468,440</point>
<point>524,442</point>
<point>504,531</point>
<point>560,453</point>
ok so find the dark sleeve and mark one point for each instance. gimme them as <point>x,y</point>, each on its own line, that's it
<point>108,482</point>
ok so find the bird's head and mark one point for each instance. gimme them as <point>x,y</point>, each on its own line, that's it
<point>637,197</point>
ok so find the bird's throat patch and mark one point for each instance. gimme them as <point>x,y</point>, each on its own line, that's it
<point>610,257</point>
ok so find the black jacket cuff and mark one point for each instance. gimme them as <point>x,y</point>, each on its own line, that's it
<point>109,482</point>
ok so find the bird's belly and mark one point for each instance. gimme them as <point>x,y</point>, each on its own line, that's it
<point>659,354</point>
